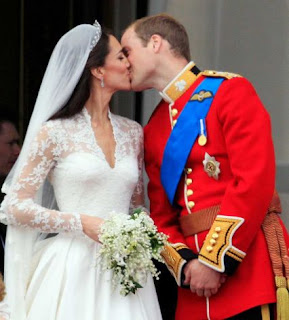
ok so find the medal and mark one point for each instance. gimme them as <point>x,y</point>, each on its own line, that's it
<point>202,140</point>
<point>211,166</point>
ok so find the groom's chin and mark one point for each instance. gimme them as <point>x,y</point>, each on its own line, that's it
<point>138,87</point>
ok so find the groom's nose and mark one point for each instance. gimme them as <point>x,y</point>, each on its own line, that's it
<point>127,63</point>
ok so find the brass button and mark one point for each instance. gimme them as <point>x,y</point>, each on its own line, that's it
<point>213,242</point>
<point>215,236</point>
<point>191,204</point>
<point>218,229</point>
<point>209,248</point>
<point>174,122</point>
<point>189,170</point>
<point>189,181</point>
<point>189,192</point>
<point>174,112</point>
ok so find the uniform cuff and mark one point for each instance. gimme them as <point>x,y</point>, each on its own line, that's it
<point>176,257</point>
<point>218,252</point>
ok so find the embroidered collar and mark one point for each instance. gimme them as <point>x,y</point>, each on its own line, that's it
<point>180,83</point>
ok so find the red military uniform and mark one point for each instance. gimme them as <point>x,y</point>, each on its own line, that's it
<point>239,146</point>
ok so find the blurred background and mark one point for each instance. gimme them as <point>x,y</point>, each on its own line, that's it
<point>249,37</point>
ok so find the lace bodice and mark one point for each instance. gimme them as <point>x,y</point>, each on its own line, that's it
<point>66,153</point>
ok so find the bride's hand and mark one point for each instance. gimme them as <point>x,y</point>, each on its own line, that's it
<point>91,226</point>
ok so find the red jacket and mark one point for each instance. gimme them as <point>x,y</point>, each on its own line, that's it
<point>239,137</point>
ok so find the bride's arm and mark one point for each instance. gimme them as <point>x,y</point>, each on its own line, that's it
<point>20,206</point>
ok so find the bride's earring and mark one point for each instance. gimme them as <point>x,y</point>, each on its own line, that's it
<point>102,83</point>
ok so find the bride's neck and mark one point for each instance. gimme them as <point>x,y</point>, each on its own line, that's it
<point>97,106</point>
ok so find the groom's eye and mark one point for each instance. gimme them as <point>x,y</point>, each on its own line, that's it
<point>125,52</point>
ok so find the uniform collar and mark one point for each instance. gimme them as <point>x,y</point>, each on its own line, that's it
<point>181,83</point>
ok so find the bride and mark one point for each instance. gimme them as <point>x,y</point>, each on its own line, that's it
<point>79,162</point>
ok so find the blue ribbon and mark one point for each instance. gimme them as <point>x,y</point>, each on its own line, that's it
<point>183,136</point>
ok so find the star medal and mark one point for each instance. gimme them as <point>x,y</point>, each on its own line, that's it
<point>211,166</point>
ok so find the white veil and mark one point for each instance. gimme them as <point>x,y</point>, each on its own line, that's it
<point>63,72</point>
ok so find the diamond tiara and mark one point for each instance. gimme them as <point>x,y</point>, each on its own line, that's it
<point>97,35</point>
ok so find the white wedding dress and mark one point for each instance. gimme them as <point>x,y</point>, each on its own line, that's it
<point>66,281</point>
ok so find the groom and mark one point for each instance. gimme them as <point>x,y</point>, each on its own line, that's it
<point>210,160</point>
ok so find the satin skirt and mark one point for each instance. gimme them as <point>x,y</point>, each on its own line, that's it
<point>67,283</point>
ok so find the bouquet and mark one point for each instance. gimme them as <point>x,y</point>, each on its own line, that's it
<point>129,242</point>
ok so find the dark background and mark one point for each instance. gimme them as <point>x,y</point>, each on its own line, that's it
<point>30,29</point>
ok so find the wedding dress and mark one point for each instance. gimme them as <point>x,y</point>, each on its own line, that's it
<point>65,278</point>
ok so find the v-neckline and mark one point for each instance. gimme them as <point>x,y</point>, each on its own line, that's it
<point>88,117</point>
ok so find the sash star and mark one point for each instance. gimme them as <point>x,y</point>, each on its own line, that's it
<point>211,166</point>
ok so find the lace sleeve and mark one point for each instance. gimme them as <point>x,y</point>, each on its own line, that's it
<point>20,205</point>
<point>137,200</point>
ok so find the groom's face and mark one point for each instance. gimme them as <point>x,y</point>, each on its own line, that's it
<point>140,58</point>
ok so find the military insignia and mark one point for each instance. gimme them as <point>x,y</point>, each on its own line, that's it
<point>211,166</point>
<point>180,85</point>
<point>201,96</point>
<point>202,140</point>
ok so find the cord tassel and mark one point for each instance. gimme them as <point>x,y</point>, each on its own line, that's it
<point>282,298</point>
<point>279,257</point>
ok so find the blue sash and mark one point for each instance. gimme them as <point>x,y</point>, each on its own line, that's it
<point>184,134</point>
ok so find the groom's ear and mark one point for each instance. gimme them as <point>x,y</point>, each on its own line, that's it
<point>156,42</point>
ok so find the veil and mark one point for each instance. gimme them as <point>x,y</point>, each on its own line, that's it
<point>62,74</point>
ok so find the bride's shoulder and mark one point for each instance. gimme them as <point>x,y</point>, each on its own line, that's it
<point>52,129</point>
<point>52,125</point>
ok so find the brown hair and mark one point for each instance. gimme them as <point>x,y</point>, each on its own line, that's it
<point>168,28</point>
<point>82,90</point>
<point>6,117</point>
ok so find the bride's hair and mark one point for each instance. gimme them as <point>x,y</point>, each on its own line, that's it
<point>82,90</point>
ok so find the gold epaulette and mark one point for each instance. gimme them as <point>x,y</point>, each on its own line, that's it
<point>222,74</point>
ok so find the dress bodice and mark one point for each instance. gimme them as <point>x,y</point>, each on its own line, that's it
<point>84,183</point>
<point>66,153</point>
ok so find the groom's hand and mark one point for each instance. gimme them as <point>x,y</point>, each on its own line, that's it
<point>202,280</point>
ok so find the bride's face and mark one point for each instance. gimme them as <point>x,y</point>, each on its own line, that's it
<point>116,67</point>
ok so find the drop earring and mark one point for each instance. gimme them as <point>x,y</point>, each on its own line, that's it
<point>102,83</point>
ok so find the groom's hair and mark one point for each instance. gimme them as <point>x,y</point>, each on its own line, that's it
<point>168,28</point>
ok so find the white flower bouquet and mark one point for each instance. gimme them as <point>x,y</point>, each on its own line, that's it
<point>129,243</point>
